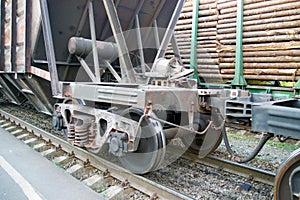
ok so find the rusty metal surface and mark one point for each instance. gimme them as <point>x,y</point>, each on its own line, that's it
<point>20,62</point>
<point>14,44</point>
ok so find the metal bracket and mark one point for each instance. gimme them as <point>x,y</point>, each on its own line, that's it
<point>239,79</point>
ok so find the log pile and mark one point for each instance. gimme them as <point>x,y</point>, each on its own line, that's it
<point>271,40</point>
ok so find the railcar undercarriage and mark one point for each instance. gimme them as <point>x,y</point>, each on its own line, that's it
<point>137,122</point>
<point>128,97</point>
<point>103,66</point>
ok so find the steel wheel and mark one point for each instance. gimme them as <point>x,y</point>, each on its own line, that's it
<point>287,179</point>
<point>151,150</point>
<point>206,143</point>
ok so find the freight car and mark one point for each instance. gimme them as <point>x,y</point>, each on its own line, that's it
<point>100,69</point>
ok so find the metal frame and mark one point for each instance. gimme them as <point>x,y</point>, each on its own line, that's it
<point>114,123</point>
<point>239,79</point>
<point>140,44</point>
<point>49,48</point>
<point>133,95</point>
<point>170,30</point>
<point>280,117</point>
<point>125,62</point>
<point>93,35</point>
<point>193,59</point>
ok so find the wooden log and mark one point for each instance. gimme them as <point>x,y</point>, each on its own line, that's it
<point>199,42</point>
<point>271,9</point>
<point>201,20</point>
<point>201,13</point>
<point>292,52</point>
<point>184,32</point>
<point>199,50</point>
<point>204,61</point>
<point>263,46</point>
<point>271,78</point>
<point>283,19</point>
<point>188,7</point>
<point>260,16</point>
<point>202,66</point>
<point>208,71</point>
<point>200,55</point>
<point>272,26</point>
<point>200,25</point>
<point>201,33</point>
<point>224,1</point>
<point>262,65</point>
<point>191,2</point>
<point>280,72</point>
<point>253,34</point>
<point>277,59</point>
<point>200,46</point>
<point>257,6</point>
<point>251,77</point>
<point>216,76</point>
<point>207,38</point>
<point>279,38</point>
<point>230,4</point>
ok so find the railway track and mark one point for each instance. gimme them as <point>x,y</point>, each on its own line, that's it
<point>247,174</point>
<point>100,175</point>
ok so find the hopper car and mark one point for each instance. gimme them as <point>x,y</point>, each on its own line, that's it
<point>113,74</point>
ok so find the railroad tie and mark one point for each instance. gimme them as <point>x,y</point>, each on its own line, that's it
<point>113,193</point>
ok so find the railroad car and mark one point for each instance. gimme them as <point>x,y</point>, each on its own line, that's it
<point>115,74</point>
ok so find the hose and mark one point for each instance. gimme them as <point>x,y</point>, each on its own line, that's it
<point>257,149</point>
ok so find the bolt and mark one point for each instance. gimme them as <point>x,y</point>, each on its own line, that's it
<point>106,173</point>
<point>154,196</point>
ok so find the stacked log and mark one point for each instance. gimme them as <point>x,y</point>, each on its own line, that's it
<point>271,40</point>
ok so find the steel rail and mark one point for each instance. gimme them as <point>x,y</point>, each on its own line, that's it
<point>250,172</point>
<point>138,182</point>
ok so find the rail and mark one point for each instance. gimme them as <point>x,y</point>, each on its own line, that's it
<point>140,183</point>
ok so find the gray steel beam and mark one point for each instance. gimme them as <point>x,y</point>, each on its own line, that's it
<point>49,48</point>
<point>113,71</point>
<point>125,61</point>
<point>140,44</point>
<point>175,47</point>
<point>93,36</point>
<point>170,30</point>
<point>156,35</point>
<point>106,26</point>
<point>87,69</point>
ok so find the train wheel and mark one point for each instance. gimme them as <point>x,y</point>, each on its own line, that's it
<point>287,180</point>
<point>151,150</point>
<point>206,143</point>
